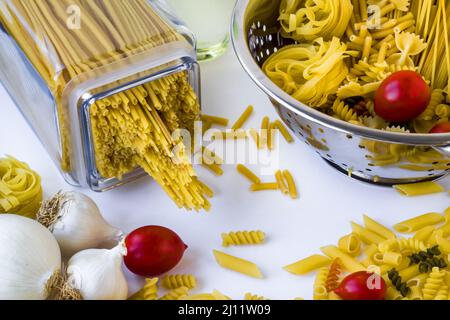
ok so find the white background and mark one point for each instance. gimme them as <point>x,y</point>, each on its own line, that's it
<point>328,200</point>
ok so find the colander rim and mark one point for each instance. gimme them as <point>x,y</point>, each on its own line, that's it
<point>241,48</point>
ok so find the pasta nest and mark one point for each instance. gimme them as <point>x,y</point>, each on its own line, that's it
<point>310,19</point>
<point>310,73</point>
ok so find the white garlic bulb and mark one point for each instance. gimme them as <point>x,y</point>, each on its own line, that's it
<point>30,259</point>
<point>77,224</point>
<point>97,274</point>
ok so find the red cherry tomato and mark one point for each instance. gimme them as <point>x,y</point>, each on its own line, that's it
<point>362,285</point>
<point>402,97</point>
<point>153,250</point>
<point>441,128</point>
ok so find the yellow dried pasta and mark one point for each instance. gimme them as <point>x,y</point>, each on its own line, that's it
<point>246,172</point>
<point>179,280</point>
<point>350,244</point>
<point>148,292</point>
<point>176,294</point>
<point>419,222</point>
<point>243,118</point>
<point>419,189</point>
<point>20,188</point>
<point>308,264</point>
<point>243,238</point>
<point>237,264</point>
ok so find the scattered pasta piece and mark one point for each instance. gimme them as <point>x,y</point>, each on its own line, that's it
<point>378,228</point>
<point>179,280</point>
<point>419,222</point>
<point>348,262</point>
<point>246,172</point>
<point>214,168</point>
<point>215,120</point>
<point>210,157</point>
<point>148,292</point>
<point>419,189</point>
<point>308,264</point>
<point>367,236</point>
<point>243,238</point>
<point>333,277</point>
<point>176,294</point>
<point>291,184</point>
<point>284,131</point>
<point>350,244</point>
<point>265,126</point>
<point>271,137</point>
<point>215,295</point>
<point>237,264</point>
<point>243,118</point>
<point>320,289</point>
<point>264,187</point>
<point>281,183</point>
<point>256,137</point>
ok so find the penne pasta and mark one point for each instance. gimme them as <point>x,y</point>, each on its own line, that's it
<point>419,189</point>
<point>425,233</point>
<point>308,264</point>
<point>348,262</point>
<point>367,236</point>
<point>419,222</point>
<point>237,264</point>
<point>378,228</point>
<point>350,244</point>
<point>409,273</point>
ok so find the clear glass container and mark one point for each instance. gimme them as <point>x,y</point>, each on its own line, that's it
<point>210,21</point>
<point>59,57</point>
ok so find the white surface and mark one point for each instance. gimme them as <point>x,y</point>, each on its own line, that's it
<point>328,200</point>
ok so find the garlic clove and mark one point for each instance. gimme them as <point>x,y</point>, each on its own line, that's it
<point>97,274</point>
<point>77,224</point>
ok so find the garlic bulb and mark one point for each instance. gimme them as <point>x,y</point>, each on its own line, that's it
<point>96,274</point>
<point>30,259</point>
<point>77,224</point>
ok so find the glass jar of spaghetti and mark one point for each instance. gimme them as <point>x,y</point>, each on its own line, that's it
<point>104,84</point>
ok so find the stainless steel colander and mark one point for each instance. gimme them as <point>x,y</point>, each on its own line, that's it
<point>375,156</point>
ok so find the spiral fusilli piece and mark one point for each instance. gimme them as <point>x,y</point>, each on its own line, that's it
<point>334,274</point>
<point>402,244</point>
<point>397,282</point>
<point>443,111</point>
<point>148,292</point>
<point>343,111</point>
<point>176,294</point>
<point>433,284</point>
<point>437,97</point>
<point>442,294</point>
<point>243,238</point>
<point>179,280</point>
